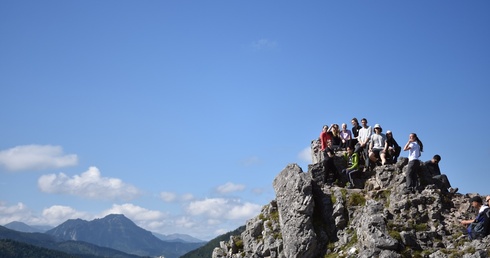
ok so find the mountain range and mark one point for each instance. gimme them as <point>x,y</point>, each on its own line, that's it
<point>113,232</point>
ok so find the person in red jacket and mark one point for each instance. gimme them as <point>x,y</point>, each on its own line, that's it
<point>325,137</point>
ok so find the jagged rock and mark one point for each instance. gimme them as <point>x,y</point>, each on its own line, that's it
<point>294,198</point>
<point>310,217</point>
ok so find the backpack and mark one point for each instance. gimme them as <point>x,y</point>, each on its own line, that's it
<point>480,228</point>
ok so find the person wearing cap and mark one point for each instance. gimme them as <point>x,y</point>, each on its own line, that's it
<point>477,203</point>
<point>435,173</point>
<point>393,148</point>
<point>378,146</point>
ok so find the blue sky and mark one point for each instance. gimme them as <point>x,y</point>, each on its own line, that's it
<point>179,114</point>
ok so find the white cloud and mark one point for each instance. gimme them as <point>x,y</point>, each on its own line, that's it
<point>263,44</point>
<point>58,214</point>
<point>172,197</point>
<point>17,212</point>
<point>89,184</point>
<point>187,197</point>
<point>203,219</point>
<point>168,197</point>
<point>52,216</point>
<point>135,212</point>
<point>185,222</point>
<point>36,157</point>
<point>305,155</point>
<point>229,187</point>
<point>215,208</point>
<point>247,210</point>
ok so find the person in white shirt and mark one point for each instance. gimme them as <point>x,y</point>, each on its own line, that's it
<point>363,145</point>
<point>414,147</point>
<point>378,146</point>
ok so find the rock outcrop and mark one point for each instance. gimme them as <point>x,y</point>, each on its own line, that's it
<point>312,218</point>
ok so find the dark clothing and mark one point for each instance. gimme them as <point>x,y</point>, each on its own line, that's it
<point>413,168</point>
<point>336,140</point>
<point>481,227</point>
<point>397,149</point>
<point>441,180</point>
<point>355,133</point>
<point>329,167</point>
<point>433,168</point>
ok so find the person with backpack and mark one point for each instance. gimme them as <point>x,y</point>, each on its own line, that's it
<point>478,227</point>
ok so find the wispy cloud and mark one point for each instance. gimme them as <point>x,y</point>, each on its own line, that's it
<point>36,157</point>
<point>172,197</point>
<point>135,212</point>
<point>223,208</point>
<point>89,184</point>
<point>251,161</point>
<point>230,187</point>
<point>168,196</point>
<point>305,155</point>
<point>264,44</point>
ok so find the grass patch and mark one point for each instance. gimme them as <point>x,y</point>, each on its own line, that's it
<point>421,227</point>
<point>395,234</point>
<point>356,199</point>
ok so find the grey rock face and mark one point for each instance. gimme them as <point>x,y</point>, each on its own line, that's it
<point>294,198</point>
<point>310,218</point>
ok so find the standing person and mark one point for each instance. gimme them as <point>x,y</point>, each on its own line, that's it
<point>329,168</point>
<point>414,147</point>
<point>393,148</point>
<point>435,173</point>
<point>355,131</point>
<point>363,145</point>
<point>325,137</point>
<point>352,159</point>
<point>346,136</point>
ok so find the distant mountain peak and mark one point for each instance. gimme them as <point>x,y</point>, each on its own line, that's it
<point>118,232</point>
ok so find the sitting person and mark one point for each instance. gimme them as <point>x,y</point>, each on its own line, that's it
<point>393,148</point>
<point>378,146</point>
<point>336,140</point>
<point>355,131</point>
<point>352,159</point>
<point>478,227</point>
<point>435,173</point>
<point>345,136</point>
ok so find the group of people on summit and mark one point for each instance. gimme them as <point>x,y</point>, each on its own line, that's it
<point>366,147</point>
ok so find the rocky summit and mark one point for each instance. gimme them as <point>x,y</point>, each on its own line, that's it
<point>312,218</point>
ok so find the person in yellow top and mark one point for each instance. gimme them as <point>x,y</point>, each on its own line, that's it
<point>352,159</point>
